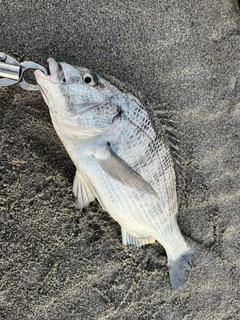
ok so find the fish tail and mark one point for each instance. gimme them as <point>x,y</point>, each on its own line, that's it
<point>179,268</point>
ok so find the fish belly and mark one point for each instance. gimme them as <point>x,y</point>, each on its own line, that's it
<point>139,214</point>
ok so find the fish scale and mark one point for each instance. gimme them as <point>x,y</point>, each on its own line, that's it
<point>121,155</point>
<point>153,161</point>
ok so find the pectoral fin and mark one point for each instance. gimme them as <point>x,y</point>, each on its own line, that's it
<point>119,170</point>
<point>82,191</point>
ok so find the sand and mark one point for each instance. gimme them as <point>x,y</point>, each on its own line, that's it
<point>58,263</point>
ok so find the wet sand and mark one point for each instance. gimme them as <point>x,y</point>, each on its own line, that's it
<point>59,263</point>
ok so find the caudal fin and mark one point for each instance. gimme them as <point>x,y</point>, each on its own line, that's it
<point>180,268</point>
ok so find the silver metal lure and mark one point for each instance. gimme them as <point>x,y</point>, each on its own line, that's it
<point>11,72</point>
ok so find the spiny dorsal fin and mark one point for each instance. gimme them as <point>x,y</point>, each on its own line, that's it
<point>169,127</point>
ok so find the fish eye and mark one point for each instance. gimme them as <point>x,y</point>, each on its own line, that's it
<point>90,79</point>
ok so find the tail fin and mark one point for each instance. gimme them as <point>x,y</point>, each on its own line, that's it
<point>180,268</point>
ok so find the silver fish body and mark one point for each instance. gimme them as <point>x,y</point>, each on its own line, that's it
<point>121,155</point>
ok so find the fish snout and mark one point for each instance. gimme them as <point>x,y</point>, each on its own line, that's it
<point>56,74</point>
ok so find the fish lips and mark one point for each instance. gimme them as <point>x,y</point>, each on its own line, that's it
<point>56,74</point>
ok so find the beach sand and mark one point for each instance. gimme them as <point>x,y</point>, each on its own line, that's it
<point>59,263</point>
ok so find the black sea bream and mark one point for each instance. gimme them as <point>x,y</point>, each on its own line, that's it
<point>121,155</point>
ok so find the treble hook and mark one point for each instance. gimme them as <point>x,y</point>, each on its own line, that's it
<point>11,72</point>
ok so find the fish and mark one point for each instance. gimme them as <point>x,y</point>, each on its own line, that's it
<point>122,157</point>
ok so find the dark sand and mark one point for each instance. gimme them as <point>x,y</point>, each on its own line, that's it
<point>58,263</point>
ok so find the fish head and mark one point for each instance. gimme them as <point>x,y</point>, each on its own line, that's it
<point>81,103</point>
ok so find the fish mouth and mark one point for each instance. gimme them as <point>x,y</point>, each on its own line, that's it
<point>56,74</point>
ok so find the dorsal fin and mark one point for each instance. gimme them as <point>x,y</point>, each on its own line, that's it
<point>169,127</point>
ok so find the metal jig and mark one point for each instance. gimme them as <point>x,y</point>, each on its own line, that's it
<point>11,72</point>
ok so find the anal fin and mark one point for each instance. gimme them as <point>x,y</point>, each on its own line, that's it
<point>128,238</point>
<point>81,191</point>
